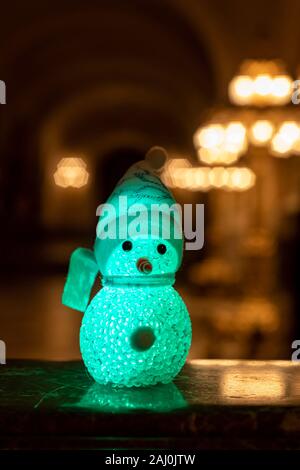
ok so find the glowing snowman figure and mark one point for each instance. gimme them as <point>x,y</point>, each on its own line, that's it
<point>136,330</point>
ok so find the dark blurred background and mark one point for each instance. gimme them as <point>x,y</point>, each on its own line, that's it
<point>104,81</point>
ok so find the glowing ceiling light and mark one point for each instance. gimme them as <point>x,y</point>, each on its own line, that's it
<point>221,144</point>
<point>200,179</point>
<point>204,178</point>
<point>190,179</point>
<point>241,89</point>
<point>235,133</point>
<point>281,87</point>
<point>210,136</point>
<point>296,147</point>
<point>241,178</point>
<point>279,146</point>
<point>218,177</point>
<point>263,84</point>
<point>289,131</point>
<point>175,163</point>
<point>261,132</point>
<point>181,179</point>
<point>235,137</point>
<point>71,172</point>
<point>260,83</point>
<point>171,168</point>
<point>217,155</point>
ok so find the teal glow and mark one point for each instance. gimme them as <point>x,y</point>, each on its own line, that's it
<point>122,264</point>
<point>136,331</point>
<point>113,317</point>
<point>162,398</point>
<point>82,273</point>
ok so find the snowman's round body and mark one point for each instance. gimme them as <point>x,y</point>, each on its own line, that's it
<point>135,335</point>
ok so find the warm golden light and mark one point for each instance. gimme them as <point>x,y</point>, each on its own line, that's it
<point>241,178</point>
<point>235,137</point>
<point>296,147</point>
<point>241,90</point>
<point>173,171</point>
<point>261,132</point>
<point>229,132</point>
<point>217,156</point>
<point>214,362</point>
<point>260,83</point>
<point>211,136</point>
<point>252,384</point>
<point>281,88</point>
<point>205,178</point>
<point>279,146</point>
<point>289,131</point>
<point>218,177</point>
<point>202,179</point>
<point>263,85</point>
<point>216,143</point>
<point>286,140</point>
<point>71,172</point>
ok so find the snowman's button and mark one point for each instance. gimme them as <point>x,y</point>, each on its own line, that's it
<point>142,338</point>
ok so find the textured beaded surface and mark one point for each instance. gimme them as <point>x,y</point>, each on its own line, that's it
<point>115,314</point>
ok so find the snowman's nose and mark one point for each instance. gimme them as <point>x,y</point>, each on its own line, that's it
<point>144,265</point>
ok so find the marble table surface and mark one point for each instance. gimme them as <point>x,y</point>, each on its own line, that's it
<point>212,404</point>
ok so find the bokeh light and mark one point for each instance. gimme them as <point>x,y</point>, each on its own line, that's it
<point>261,132</point>
<point>71,172</point>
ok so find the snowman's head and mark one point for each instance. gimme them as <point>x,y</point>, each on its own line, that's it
<point>138,259</point>
<point>139,234</point>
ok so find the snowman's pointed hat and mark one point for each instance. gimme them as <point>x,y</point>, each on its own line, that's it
<point>140,189</point>
<point>140,193</point>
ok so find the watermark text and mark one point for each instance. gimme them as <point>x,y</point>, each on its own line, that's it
<point>2,352</point>
<point>2,92</point>
<point>123,220</point>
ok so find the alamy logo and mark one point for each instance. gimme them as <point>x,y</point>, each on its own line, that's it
<point>123,220</point>
<point>2,352</point>
<point>2,92</point>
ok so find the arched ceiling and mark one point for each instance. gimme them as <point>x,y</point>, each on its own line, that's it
<point>82,71</point>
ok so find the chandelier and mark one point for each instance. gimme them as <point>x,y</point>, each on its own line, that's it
<point>259,116</point>
<point>179,173</point>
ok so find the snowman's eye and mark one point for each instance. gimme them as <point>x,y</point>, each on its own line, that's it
<point>161,248</point>
<point>127,246</point>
